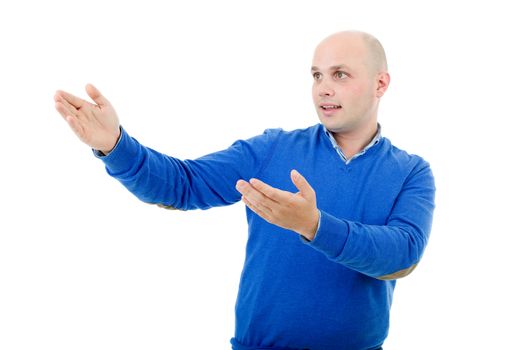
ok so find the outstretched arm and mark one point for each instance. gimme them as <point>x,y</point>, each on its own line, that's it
<point>158,178</point>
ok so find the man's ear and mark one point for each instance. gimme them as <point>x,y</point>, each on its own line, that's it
<point>383,81</point>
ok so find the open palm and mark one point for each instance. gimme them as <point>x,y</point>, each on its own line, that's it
<point>96,125</point>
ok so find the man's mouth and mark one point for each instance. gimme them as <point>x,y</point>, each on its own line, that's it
<point>330,107</point>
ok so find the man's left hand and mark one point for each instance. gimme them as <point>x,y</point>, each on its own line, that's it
<point>294,211</point>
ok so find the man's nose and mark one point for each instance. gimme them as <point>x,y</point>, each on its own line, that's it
<point>325,89</point>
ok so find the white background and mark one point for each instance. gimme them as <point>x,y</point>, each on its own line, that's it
<point>85,265</point>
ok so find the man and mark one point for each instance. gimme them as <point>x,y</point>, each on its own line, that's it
<point>321,262</point>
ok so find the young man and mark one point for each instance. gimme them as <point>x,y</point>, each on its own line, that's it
<point>335,212</point>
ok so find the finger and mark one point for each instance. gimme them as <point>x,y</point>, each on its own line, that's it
<point>66,106</point>
<point>82,114</point>
<point>64,111</point>
<point>57,97</point>
<point>61,99</point>
<point>254,196</point>
<point>270,192</point>
<point>96,96</point>
<point>77,102</point>
<point>257,209</point>
<point>302,185</point>
<point>75,126</point>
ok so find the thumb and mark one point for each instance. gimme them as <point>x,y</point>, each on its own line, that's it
<point>96,96</point>
<point>302,185</point>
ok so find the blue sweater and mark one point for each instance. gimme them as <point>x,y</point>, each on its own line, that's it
<point>376,215</point>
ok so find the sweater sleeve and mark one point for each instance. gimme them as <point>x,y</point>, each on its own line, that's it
<point>385,251</point>
<point>202,183</point>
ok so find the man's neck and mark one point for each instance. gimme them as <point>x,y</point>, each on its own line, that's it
<point>352,143</point>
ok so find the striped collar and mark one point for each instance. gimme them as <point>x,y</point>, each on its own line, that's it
<point>374,141</point>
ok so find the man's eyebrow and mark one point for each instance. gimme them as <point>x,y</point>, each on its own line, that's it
<point>336,67</point>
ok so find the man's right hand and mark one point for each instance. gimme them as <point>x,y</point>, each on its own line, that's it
<point>96,125</point>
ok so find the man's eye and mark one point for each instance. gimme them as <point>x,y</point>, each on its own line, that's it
<point>340,75</point>
<point>316,75</point>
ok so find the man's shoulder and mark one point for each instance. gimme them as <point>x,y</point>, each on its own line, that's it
<point>283,135</point>
<point>402,157</point>
<point>271,137</point>
<point>301,132</point>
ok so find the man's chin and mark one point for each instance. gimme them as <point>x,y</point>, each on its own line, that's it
<point>332,127</point>
<point>338,129</point>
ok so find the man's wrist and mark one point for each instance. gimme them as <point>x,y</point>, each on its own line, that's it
<point>309,235</point>
<point>103,152</point>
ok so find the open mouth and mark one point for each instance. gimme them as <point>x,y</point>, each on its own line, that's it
<point>330,107</point>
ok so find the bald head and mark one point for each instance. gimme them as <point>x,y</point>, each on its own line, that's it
<point>350,76</point>
<point>361,43</point>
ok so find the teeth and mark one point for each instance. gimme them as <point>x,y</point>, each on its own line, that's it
<point>330,107</point>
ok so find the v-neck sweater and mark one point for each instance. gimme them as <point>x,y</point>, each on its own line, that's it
<point>376,215</point>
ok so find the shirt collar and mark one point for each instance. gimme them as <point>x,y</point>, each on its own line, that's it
<point>375,140</point>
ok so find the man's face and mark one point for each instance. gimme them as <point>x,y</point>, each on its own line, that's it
<point>344,90</point>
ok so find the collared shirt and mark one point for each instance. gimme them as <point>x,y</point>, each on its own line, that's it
<point>374,141</point>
